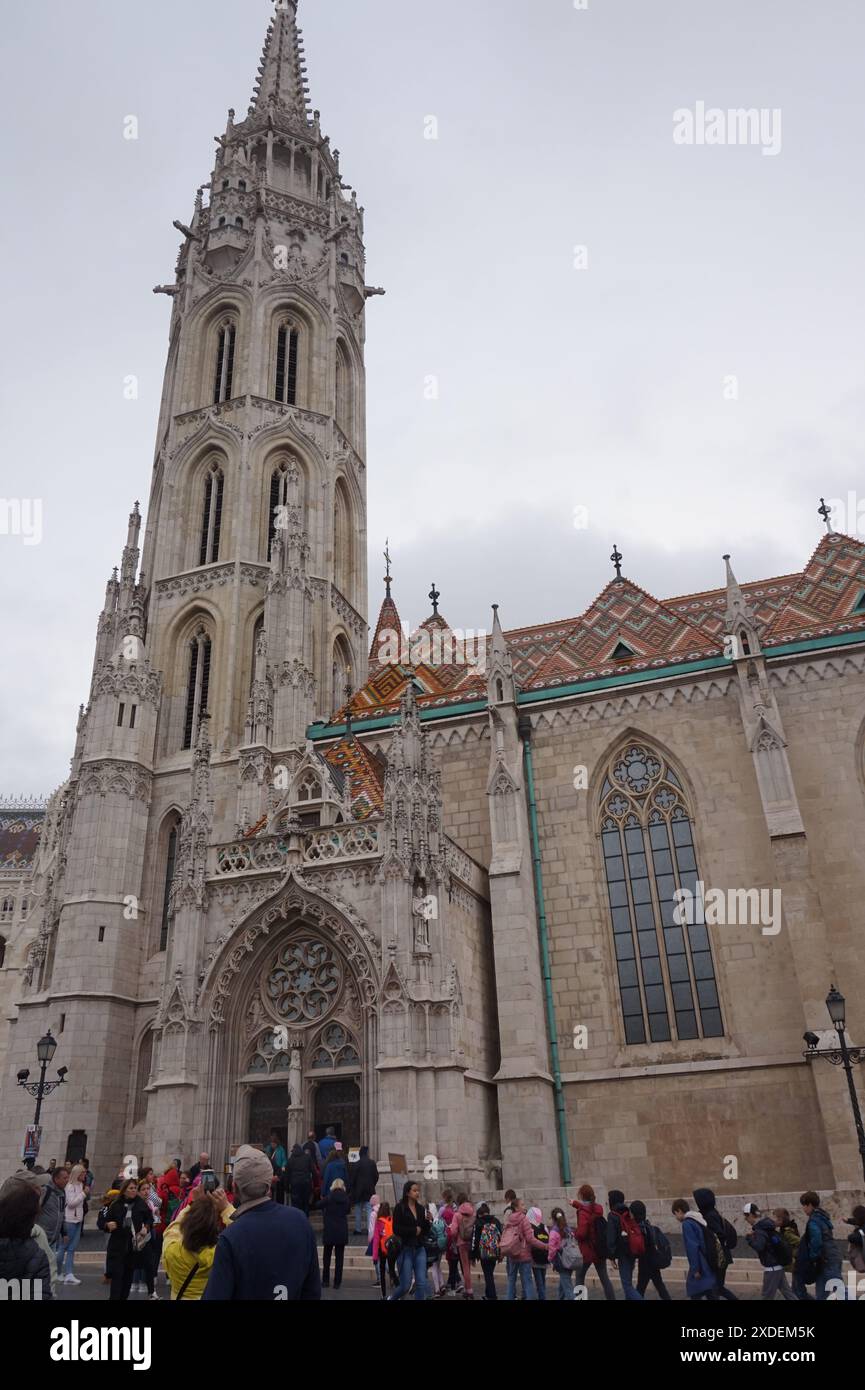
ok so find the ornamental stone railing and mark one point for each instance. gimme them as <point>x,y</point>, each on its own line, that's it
<point>328,845</point>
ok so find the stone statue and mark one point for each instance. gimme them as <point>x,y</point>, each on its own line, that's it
<point>295,1080</point>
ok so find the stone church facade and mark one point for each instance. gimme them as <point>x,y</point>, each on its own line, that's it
<point>295,880</point>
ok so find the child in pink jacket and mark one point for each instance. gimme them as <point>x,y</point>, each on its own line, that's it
<point>461,1230</point>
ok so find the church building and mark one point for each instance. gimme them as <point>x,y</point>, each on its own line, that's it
<point>431,891</point>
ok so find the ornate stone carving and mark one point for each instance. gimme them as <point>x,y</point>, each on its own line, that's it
<point>125,678</point>
<point>337,921</point>
<point>201,581</point>
<point>127,779</point>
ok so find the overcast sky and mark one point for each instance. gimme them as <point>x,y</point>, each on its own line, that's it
<point>605,387</point>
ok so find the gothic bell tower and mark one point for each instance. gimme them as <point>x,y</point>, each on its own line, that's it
<point>256,530</point>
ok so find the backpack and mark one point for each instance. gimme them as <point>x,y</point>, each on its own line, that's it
<point>465,1226</point>
<point>490,1241</point>
<point>540,1257</point>
<point>632,1237</point>
<point>715,1253</point>
<point>730,1238</point>
<point>439,1234</point>
<point>778,1249</point>
<point>662,1251</point>
<point>512,1243</point>
<point>599,1234</point>
<point>569,1252</point>
<point>857,1251</point>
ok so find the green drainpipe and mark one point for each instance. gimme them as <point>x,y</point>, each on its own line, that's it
<point>525,731</point>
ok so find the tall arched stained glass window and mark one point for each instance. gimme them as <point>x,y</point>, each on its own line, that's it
<point>666,974</point>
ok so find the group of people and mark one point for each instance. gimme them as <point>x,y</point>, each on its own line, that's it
<point>251,1238</point>
<point>305,1177</point>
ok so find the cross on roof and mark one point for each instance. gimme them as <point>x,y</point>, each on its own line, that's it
<point>387,578</point>
<point>825,511</point>
<point>617,558</point>
<point>434,596</point>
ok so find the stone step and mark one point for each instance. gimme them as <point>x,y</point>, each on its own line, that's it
<point>744,1273</point>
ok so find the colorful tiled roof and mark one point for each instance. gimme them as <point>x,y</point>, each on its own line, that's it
<point>19,838</point>
<point>627,629</point>
<point>363,771</point>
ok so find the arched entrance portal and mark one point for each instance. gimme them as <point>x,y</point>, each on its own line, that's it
<point>293,1036</point>
<point>337,1104</point>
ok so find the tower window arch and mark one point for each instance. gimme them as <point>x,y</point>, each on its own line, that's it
<point>341,673</point>
<point>344,390</point>
<point>287,357</point>
<point>171,847</point>
<point>283,495</point>
<point>666,972</point>
<point>343,541</point>
<point>197,685</point>
<point>145,1064</point>
<point>211,516</point>
<point>224,378</point>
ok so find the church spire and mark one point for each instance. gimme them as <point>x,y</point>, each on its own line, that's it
<point>282,70</point>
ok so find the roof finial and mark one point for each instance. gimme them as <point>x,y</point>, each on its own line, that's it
<point>434,596</point>
<point>617,558</point>
<point>387,578</point>
<point>825,511</point>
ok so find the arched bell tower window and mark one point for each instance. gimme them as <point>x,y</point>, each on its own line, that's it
<point>341,673</point>
<point>287,347</point>
<point>211,517</point>
<point>281,481</point>
<point>198,685</point>
<point>666,973</point>
<point>168,879</point>
<point>344,392</point>
<point>224,378</point>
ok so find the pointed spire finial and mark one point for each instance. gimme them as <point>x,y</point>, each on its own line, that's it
<point>434,597</point>
<point>281,77</point>
<point>617,558</point>
<point>387,578</point>
<point>825,511</point>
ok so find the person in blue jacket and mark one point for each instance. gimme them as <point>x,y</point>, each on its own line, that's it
<point>819,1256</point>
<point>334,1168</point>
<point>701,1282</point>
<point>268,1253</point>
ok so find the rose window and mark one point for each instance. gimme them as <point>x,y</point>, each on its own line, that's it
<point>304,982</point>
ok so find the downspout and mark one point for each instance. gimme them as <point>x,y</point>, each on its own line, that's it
<point>525,732</point>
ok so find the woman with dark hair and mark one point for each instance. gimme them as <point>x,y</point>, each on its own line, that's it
<point>20,1256</point>
<point>411,1226</point>
<point>148,1263</point>
<point>298,1175</point>
<point>189,1244</point>
<point>129,1225</point>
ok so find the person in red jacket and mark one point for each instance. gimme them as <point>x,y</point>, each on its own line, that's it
<point>589,1212</point>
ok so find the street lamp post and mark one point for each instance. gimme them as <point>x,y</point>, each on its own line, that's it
<point>45,1049</point>
<point>842,1056</point>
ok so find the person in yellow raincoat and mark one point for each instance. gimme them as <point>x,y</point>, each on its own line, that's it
<point>189,1243</point>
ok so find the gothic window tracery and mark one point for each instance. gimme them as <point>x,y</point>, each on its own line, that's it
<point>211,517</point>
<point>304,982</point>
<point>665,969</point>
<point>224,378</point>
<point>170,864</point>
<point>198,684</point>
<point>282,482</point>
<point>335,1048</point>
<point>265,1059</point>
<point>287,357</point>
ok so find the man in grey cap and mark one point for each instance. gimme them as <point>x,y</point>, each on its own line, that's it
<point>268,1253</point>
<point>39,1181</point>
